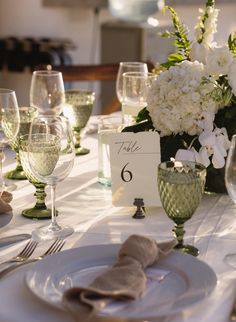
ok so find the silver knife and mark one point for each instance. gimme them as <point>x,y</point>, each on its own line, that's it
<point>5,241</point>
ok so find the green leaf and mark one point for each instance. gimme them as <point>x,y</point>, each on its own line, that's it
<point>181,42</point>
<point>175,57</point>
<point>210,3</point>
<point>143,115</point>
<point>139,127</point>
<point>232,44</point>
<point>166,34</point>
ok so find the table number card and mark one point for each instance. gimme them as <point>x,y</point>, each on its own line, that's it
<point>134,158</point>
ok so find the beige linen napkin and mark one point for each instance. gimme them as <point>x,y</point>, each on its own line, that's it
<point>125,280</point>
<point>5,199</point>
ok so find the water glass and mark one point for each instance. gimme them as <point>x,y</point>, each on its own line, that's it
<point>135,92</point>
<point>125,67</point>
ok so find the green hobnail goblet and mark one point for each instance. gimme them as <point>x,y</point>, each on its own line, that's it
<point>78,109</point>
<point>181,186</point>
<point>40,210</point>
<point>26,116</point>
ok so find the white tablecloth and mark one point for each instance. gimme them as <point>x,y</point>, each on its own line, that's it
<point>86,204</point>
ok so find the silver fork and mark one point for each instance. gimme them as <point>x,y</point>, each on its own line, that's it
<point>54,248</point>
<point>24,254</point>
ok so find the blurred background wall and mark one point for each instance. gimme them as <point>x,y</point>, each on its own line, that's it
<point>27,18</point>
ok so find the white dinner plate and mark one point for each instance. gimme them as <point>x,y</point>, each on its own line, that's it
<point>174,283</point>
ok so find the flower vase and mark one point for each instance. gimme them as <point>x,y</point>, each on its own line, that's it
<point>215,182</point>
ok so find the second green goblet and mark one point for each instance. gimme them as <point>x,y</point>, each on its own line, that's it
<point>26,116</point>
<point>78,108</point>
<point>181,186</point>
<point>40,210</point>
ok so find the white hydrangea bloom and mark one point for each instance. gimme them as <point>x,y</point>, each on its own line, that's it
<point>219,60</point>
<point>178,98</point>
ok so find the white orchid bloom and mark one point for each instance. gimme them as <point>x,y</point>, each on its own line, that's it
<point>214,142</point>
<point>192,155</point>
<point>199,52</point>
<point>219,60</point>
<point>203,157</point>
<point>185,155</point>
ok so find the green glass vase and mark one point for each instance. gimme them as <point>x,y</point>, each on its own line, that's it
<point>181,186</point>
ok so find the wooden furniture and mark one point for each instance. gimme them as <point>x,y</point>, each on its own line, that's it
<point>104,72</point>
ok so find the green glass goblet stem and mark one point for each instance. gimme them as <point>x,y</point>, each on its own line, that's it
<point>18,173</point>
<point>40,210</point>
<point>79,150</point>
<point>181,186</point>
<point>78,109</point>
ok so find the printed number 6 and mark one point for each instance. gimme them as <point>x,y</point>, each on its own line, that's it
<point>126,175</point>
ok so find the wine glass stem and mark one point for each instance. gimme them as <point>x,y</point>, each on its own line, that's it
<point>179,233</point>
<point>53,225</point>
<point>2,182</point>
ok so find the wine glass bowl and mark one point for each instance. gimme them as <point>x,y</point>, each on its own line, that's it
<point>26,116</point>
<point>78,109</point>
<point>135,92</point>
<point>9,125</point>
<point>47,92</point>
<point>127,67</point>
<point>51,156</point>
<point>181,186</point>
<point>40,210</point>
<point>230,182</point>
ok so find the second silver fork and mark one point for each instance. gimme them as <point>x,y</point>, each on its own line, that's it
<point>54,248</point>
<point>24,254</point>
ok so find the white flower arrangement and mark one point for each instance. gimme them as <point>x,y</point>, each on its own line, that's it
<point>195,92</point>
<point>178,99</point>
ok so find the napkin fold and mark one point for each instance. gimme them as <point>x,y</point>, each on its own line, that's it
<point>125,280</point>
<point>5,199</point>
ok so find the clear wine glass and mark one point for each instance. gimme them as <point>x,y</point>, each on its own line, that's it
<point>135,93</point>
<point>51,156</point>
<point>9,125</point>
<point>125,67</point>
<point>230,182</point>
<point>181,186</point>
<point>47,92</point>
